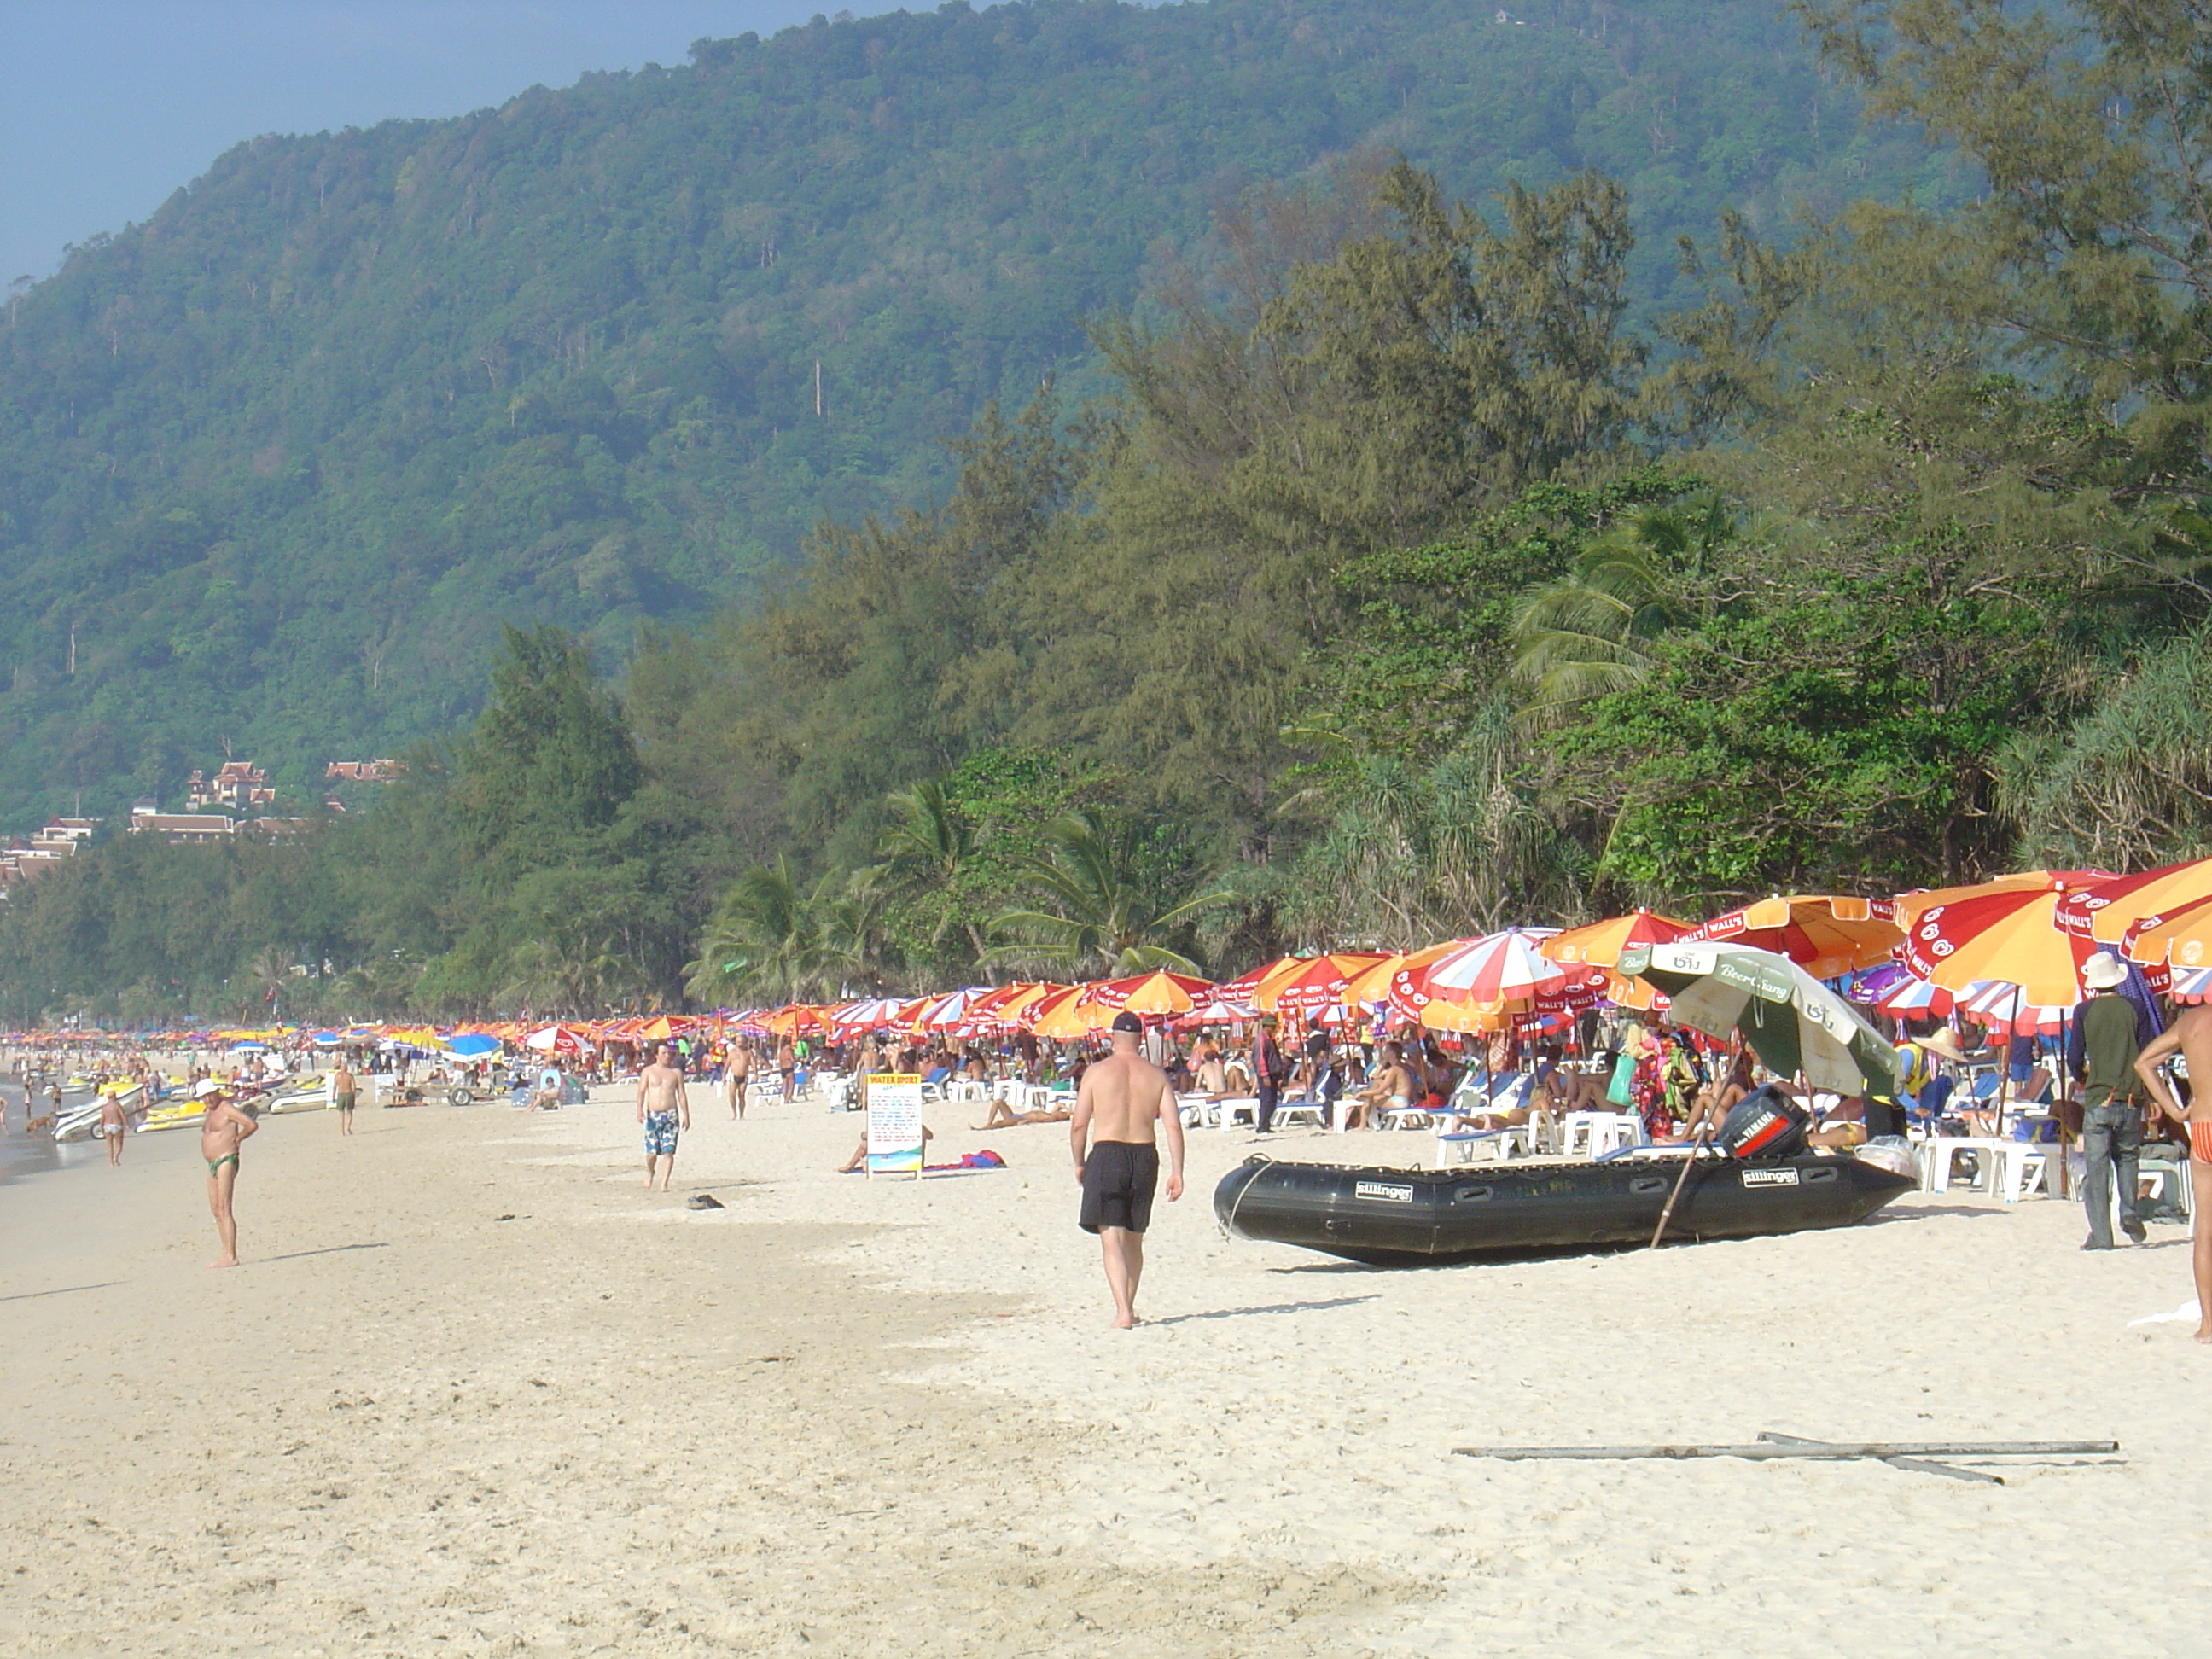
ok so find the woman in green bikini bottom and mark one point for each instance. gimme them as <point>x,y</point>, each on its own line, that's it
<point>221,1131</point>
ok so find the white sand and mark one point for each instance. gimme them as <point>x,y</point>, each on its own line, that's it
<point>848,1417</point>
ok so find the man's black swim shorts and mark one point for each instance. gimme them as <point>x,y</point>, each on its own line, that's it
<point>1118,1178</point>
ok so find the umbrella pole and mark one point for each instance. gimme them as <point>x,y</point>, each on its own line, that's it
<point>2005,1071</point>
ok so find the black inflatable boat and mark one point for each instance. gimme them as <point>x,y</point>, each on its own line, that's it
<point>1760,1179</point>
<point>1407,1218</point>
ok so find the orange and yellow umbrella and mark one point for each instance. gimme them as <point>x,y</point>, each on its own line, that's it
<point>2104,910</point>
<point>2180,939</point>
<point>1911,906</point>
<point>1155,994</point>
<point>1310,986</point>
<point>1373,984</point>
<point>1246,985</point>
<point>2011,936</point>
<point>1069,1012</point>
<point>791,1020</point>
<point>1826,935</point>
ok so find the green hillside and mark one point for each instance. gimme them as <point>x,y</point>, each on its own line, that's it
<point>276,466</point>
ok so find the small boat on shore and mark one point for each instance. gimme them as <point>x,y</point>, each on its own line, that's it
<point>178,1112</point>
<point>1410,1217</point>
<point>310,1092</point>
<point>81,1122</point>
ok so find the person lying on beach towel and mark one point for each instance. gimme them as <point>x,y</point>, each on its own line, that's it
<point>1003,1116</point>
<point>986,1159</point>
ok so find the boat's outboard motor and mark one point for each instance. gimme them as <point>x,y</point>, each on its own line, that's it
<point>1766,1123</point>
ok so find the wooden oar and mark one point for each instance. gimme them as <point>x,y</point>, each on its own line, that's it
<point>1697,1147</point>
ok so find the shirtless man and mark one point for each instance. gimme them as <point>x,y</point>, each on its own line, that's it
<point>1122,1099</point>
<point>1390,1090</point>
<point>2190,1036</point>
<point>112,1125</point>
<point>223,1131</point>
<point>735,1072</point>
<point>787,1064</point>
<point>662,1107</point>
<point>344,1091</point>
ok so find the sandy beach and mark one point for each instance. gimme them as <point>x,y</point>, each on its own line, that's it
<point>476,1392</point>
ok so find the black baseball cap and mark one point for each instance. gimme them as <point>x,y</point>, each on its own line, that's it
<point>1125,1021</point>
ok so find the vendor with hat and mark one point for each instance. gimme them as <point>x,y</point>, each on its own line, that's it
<point>1922,1083</point>
<point>2111,1100</point>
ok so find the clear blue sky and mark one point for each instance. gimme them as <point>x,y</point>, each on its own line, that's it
<point>107,106</point>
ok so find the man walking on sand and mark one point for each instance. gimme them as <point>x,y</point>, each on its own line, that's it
<point>2189,1036</point>
<point>1122,1099</point>
<point>2112,1107</point>
<point>112,1122</point>
<point>663,1108</point>
<point>737,1071</point>
<point>344,1092</point>
<point>223,1131</point>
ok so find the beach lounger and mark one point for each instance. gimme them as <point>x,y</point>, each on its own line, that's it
<point>1313,1113</point>
<point>1519,1140</point>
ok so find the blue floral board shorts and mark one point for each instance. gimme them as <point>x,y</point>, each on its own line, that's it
<point>661,1134</point>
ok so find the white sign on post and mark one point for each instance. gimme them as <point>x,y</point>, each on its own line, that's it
<point>895,1125</point>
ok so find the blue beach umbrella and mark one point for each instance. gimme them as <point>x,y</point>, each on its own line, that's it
<point>471,1044</point>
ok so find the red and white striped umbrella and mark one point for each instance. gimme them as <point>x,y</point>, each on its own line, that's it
<point>2190,985</point>
<point>869,1014</point>
<point>2003,1007</point>
<point>1915,998</point>
<point>943,1013</point>
<point>1502,967</point>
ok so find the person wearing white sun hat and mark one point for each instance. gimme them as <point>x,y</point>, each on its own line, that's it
<point>2112,1103</point>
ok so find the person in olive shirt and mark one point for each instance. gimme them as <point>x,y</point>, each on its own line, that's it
<point>2112,1102</point>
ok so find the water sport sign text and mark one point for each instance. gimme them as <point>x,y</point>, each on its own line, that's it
<point>895,1125</point>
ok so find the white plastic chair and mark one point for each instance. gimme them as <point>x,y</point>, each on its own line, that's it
<point>2172,1183</point>
<point>1498,1144</point>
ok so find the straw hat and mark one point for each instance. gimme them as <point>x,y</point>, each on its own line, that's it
<point>1943,1043</point>
<point>2104,972</point>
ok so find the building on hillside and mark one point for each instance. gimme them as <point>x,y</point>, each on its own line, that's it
<point>239,785</point>
<point>275,826</point>
<point>368,771</point>
<point>180,829</point>
<point>59,839</point>
<point>61,836</point>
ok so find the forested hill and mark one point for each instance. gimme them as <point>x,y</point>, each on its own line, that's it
<point>276,464</point>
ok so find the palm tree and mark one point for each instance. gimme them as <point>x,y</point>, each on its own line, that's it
<point>268,974</point>
<point>1094,906</point>
<point>928,847</point>
<point>773,937</point>
<point>576,976</point>
<point>1591,632</point>
<point>1416,853</point>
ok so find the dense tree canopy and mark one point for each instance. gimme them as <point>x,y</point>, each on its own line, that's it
<point>276,465</point>
<point>1403,576</point>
